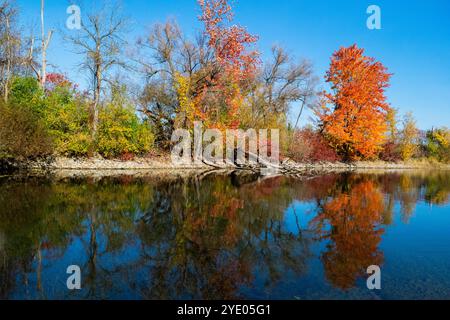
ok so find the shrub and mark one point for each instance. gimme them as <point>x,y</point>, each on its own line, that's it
<point>67,119</point>
<point>22,133</point>
<point>390,152</point>
<point>310,146</point>
<point>26,91</point>
<point>438,144</point>
<point>121,132</point>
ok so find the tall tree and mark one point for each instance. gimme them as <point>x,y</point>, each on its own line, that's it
<point>10,44</point>
<point>236,61</point>
<point>356,122</point>
<point>45,41</point>
<point>101,42</point>
<point>39,66</point>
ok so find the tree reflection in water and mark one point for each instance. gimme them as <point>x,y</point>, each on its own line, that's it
<point>351,221</point>
<point>205,237</point>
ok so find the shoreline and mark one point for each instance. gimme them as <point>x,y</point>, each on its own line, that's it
<point>163,165</point>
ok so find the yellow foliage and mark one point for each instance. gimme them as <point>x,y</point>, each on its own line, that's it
<point>121,132</point>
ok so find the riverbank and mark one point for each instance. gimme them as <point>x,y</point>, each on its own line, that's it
<point>163,162</point>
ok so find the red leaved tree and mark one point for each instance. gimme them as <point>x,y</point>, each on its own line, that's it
<point>238,64</point>
<point>356,122</point>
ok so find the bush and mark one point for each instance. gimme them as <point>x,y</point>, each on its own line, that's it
<point>310,146</point>
<point>438,144</point>
<point>390,152</point>
<point>26,91</point>
<point>67,119</point>
<point>121,132</point>
<point>22,133</point>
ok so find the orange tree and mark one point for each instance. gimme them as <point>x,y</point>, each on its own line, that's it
<point>354,117</point>
<point>235,62</point>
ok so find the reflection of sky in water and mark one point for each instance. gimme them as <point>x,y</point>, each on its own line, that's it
<point>416,265</point>
<point>416,254</point>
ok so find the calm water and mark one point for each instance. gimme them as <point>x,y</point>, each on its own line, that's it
<point>227,236</point>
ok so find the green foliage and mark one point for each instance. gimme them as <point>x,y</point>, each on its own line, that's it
<point>36,123</point>
<point>67,119</point>
<point>121,132</point>
<point>438,144</point>
<point>26,91</point>
<point>22,133</point>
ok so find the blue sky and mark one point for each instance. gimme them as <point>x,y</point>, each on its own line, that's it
<point>414,42</point>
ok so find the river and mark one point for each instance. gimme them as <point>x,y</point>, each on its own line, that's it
<point>226,236</point>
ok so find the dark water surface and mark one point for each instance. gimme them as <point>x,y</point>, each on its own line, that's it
<point>225,236</point>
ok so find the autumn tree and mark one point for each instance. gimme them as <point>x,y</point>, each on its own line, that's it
<point>217,77</point>
<point>235,61</point>
<point>356,121</point>
<point>206,79</point>
<point>409,137</point>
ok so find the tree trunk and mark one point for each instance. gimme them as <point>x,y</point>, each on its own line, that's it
<point>97,91</point>
<point>45,43</point>
<point>44,51</point>
<point>8,60</point>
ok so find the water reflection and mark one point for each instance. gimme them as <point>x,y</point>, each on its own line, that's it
<point>216,236</point>
<point>352,222</point>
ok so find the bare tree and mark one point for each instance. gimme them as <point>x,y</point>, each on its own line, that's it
<point>39,68</point>
<point>281,84</point>
<point>101,42</point>
<point>45,41</point>
<point>9,46</point>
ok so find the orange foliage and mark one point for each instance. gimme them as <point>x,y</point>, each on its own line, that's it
<point>57,80</point>
<point>356,123</point>
<point>238,64</point>
<point>355,219</point>
<point>229,43</point>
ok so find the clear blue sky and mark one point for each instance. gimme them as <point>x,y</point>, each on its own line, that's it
<point>414,42</point>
